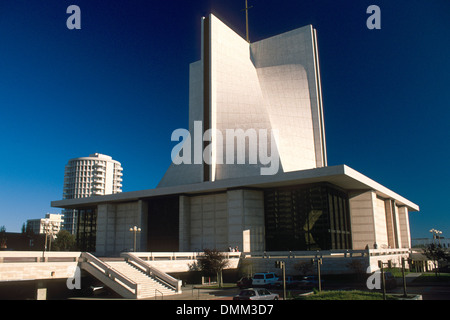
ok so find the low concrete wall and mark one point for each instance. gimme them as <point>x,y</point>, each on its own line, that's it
<point>35,265</point>
<point>37,271</point>
<point>170,266</point>
<point>59,265</point>
<point>174,262</point>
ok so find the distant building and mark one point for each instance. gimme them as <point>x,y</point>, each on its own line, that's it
<point>424,242</point>
<point>37,225</point>
<point>15,241</point>
<point>96,175</point>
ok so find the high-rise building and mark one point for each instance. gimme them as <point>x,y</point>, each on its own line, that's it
<point>96,175</point>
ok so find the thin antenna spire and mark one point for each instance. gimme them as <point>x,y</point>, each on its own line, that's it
<point>246,19</point>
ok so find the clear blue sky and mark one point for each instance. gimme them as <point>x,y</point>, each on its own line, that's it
<point>119,86</point>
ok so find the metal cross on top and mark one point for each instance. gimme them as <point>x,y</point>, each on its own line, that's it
<point>246,19</point>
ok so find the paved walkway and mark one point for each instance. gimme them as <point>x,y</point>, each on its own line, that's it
<point>190,292</point>
<point>411,277</point>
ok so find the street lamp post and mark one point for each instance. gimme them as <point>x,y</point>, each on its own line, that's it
<point>49,228</point>
<point>135,230</point>
<point>45,227</point>
<point>436,235</point>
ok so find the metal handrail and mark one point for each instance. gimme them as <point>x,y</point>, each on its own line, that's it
<point>110,272</point>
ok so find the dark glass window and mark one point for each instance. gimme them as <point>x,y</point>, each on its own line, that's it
<point>311,217</point>
<point>163,224</point>
<point>87,229</point>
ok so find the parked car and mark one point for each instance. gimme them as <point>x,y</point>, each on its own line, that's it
<point>264,279</point>
<point>244,282</point>
<point>309,282</point>
<point>291,282</point>
<point>256,294</point>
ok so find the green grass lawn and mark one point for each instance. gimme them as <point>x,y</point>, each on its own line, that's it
<point>345,295</point>
<point>215,286</point>
<point>431,277</point>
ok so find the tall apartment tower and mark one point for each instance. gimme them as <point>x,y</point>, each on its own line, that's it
<point>95,175</point>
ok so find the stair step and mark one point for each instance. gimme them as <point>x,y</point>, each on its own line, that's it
<point>148,287</point>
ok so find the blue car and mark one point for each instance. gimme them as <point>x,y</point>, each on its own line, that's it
<point>310,282</point>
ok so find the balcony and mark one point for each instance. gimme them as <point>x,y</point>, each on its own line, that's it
<point>100,164</point>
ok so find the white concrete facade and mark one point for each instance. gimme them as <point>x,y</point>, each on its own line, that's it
<point>233,218</point>
<point>272,84</point>
<point>114,223</point>
<point>231,212</point>
<point>378,222</point>
<point>95,175</point>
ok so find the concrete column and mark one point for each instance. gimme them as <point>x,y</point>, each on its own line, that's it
<point>41,291</point>
<point>246,220</point>
<point>106,220</point>
<point>405,236</point>
<point>362,209</point>
<point>235,207</point>
<point>396,225</point>
<point>390,224</point>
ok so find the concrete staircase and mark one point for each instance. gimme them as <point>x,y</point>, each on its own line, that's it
<point>148,287</point>
<point>130,276</point>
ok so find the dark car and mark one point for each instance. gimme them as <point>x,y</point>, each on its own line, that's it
<point>291,282</point>
<point>244,282</point>
<point>309,282</point>
<point>256,294</point>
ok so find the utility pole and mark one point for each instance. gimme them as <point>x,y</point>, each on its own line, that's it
<point>246,20</point>
<point>381,265</point>
<point>319,263</point>
<point>404,279</point>
<point>281,265</point>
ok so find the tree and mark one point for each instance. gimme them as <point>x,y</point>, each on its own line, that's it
<point>65,241</point>
<point>3,237</point>
<point>304,268</point>
<point>212,262</point>
<point>436,253</point>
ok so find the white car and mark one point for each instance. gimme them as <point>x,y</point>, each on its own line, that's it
<point>264,279</point>
<point>256,294</point>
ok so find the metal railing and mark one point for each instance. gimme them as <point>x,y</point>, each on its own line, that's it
<point>153,256</point>
<point>345,253</point>
<point>110,272</point>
